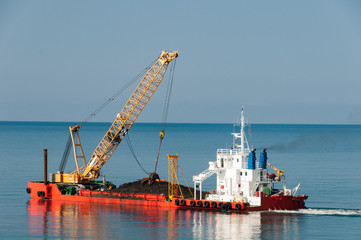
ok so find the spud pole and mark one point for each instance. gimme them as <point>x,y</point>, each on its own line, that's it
<point>45,166</point>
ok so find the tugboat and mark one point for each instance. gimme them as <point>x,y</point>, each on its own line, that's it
<point>243,184</point>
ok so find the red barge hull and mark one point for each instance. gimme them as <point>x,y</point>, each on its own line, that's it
<point>38,190</point>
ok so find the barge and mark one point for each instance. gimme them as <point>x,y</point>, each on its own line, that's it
<point>242,185</point>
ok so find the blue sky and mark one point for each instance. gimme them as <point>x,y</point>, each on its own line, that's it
<point>284,61</point>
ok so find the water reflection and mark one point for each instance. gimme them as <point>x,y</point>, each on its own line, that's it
<point>57,219</point>
<point>226,226</point>
<point>256,225</point>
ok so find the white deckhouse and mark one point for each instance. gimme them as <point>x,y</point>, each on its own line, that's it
<point>239,179</point>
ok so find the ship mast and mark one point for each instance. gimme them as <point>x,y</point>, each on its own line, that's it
<point>242,131</point>
<point>241,135</point>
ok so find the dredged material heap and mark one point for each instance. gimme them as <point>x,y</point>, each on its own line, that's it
<point>160,188</point>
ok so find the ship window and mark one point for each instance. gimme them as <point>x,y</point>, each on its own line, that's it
<point>241,173</point>
<point>237,159</point>
<point>245,173</point>
<point>222,162</point>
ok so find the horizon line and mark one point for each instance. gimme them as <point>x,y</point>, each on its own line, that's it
<point>72,123</point>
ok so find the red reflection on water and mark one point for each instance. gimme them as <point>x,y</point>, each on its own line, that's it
<point>60,219</point>
<point>82,219</point>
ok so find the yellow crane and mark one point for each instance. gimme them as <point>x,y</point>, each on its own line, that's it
<point>118,129</point>
<point>279,172</point>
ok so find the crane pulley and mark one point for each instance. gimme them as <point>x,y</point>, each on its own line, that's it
<point>119,128</point>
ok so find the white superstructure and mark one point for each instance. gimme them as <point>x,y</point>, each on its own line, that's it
<point>239,177</point>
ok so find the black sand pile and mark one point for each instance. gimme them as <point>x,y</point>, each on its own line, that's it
<point>155,188</point>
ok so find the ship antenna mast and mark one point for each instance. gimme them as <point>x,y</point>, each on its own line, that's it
<point>242,131</point>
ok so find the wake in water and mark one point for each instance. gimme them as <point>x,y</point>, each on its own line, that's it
<point>318,211</point>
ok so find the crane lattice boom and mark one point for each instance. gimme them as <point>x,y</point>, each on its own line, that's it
<point>120,126</point>
<point>128,115</point>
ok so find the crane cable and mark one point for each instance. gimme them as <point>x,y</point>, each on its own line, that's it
<point>133,153</point>
<point>164,119</point>
<point>117,94</point>
<point>166,109</point>
<point>65,157</point>
<point>112,98</point>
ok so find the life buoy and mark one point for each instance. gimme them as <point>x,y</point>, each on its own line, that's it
<point>199,204</point>
<point>206,204</point>
<point>238,206</point>
<point>213,204</point>
<point>176,201</point>
<point>192,203</point>
<point>183,202</point>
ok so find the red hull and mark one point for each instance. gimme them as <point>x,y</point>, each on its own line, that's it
<point>38,190</point>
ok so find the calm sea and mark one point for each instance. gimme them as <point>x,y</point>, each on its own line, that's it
<point>325,159</point>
